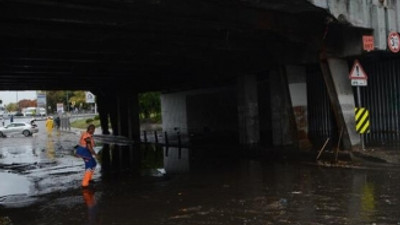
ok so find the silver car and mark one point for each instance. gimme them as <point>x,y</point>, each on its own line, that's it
<point>18,128</point>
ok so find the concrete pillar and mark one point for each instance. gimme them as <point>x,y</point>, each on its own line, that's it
<point>378,23</point>
<point>336,75</point>
<point>283,122</point>
<point>133,117</point>
<point>113,110</point>
<point>249,126</point>
<point>126,115</point>
<point>102,106</point>
<point>174,112</point>
<point>298,94</point>
<point>122,110</point>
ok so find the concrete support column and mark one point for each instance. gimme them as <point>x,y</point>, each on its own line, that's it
<point>102,107</point>
<point>298,95</point>
<point>249,125</point>
<point>125,115</point>
<point>336,72</point>
<point>122,110</point>
<point>174,112</point>
<point>283,122</point>
<point>113,110</point>
<point>133,117</point>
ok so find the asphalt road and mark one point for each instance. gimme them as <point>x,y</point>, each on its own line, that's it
<point>34,166</point>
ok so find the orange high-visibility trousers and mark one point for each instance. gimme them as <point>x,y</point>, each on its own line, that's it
<point>86,177</point>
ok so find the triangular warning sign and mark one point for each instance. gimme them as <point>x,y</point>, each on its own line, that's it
<point>357,72</point>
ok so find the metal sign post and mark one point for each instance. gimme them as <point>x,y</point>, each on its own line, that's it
<point>358,78</point>
<point>359,105</point>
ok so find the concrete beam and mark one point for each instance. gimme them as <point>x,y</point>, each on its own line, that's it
<point>249,124</point>
<point>335,72</point>
<point>283,122</point>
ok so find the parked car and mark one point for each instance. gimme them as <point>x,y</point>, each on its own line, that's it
<point>18,114</point>
<point>18,128</point>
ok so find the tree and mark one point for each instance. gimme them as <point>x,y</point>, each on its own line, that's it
<point>78,99</point>
<point>150,105</point>
<point>12,107</point>
<point>75,99</point>
<point>24,103</point>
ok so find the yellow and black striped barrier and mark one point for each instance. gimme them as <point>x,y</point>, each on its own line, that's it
<point>362,120</point>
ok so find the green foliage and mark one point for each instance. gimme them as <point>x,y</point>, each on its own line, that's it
<point>75,99</point>
<point>89,120</point>
<point>96,117</point>
<point>150,105</point>
<point>12,107</point>
<point>82,124</point>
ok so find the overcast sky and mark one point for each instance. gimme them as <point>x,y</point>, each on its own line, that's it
<point>11,96</point>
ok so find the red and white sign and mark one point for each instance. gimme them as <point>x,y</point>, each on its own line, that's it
<point>394,42</point>
<point>357,72</point>
<point>368,42</point>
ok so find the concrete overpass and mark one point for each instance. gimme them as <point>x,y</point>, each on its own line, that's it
<point>246,63</point>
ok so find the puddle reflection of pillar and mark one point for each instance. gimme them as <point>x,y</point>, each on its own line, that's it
<point>131,156</point>
<point>136,157</point>
<point>178,161</point>
<point>115,159</point>
<point>105,158</point>
<point>124,154</point>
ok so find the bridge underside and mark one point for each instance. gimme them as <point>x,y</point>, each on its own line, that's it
<point>117,49</point>
<point>159,44</point>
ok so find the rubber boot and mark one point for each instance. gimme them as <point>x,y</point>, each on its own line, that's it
<point>86,178</point>
<point>91,175</point>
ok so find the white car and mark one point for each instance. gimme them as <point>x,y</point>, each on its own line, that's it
<point>18,128</point>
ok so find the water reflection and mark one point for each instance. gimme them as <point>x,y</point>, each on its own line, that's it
<point>368,203</point>
<point>15,191</point>
<point>228,192</point>
<point>50,148</point>
<point>146,159</point>
<point>176,160</point>
<point>15,185</point>
<point>22,154</point>
<point>90,201</point>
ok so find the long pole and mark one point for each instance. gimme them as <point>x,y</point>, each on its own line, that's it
<point>16,93</point>
<point>359,105</point>
<point>67,103</point>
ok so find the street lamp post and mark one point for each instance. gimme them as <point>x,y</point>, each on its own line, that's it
<point>16,93</point>
<point>67,103</point>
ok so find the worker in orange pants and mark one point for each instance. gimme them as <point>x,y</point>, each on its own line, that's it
<point>85,150</point>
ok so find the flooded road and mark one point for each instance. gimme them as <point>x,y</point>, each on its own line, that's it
<point>186,187</point>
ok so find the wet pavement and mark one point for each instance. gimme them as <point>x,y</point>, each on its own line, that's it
<point>40,184</point>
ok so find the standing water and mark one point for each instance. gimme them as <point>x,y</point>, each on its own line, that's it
<point>187,186</point>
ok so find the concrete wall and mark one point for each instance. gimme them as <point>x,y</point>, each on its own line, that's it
<point>283,122</point>
<point>212,112</point>
<point>173,112</point>
<point>248,111</point>
<point>200,111</point>
<point>382,16</point>
<point>298,95</point>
